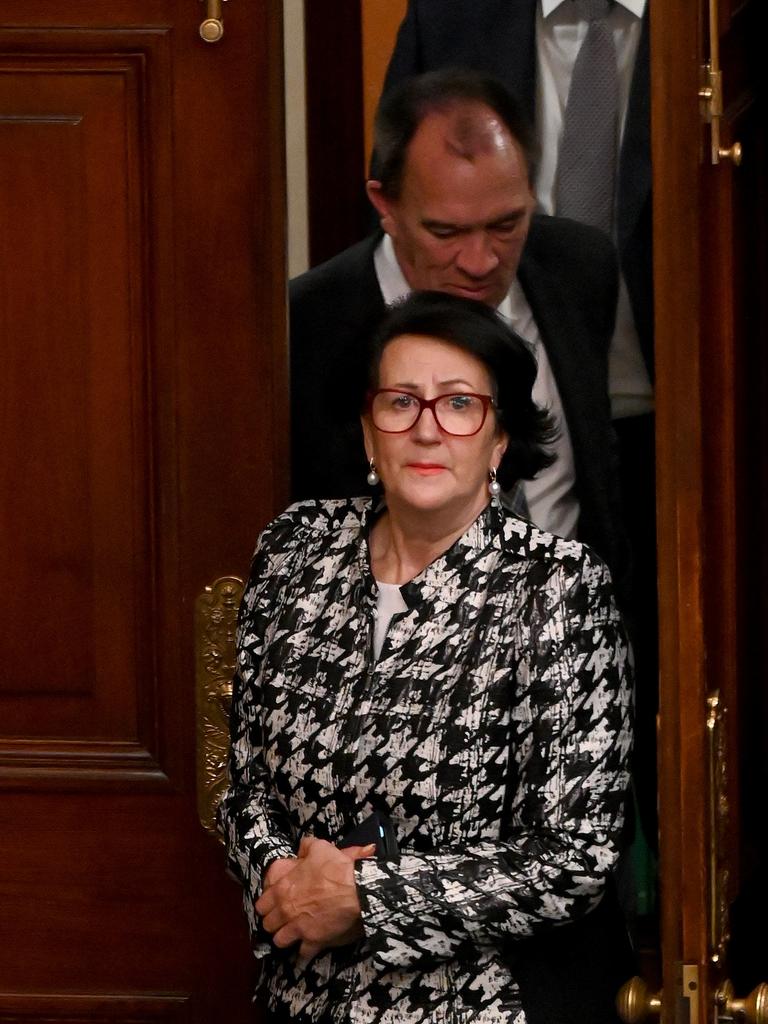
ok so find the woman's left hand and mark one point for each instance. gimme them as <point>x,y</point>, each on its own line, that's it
<point>316,902</point>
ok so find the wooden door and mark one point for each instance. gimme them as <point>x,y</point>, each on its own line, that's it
<point>143,416</point>
<point>711,273</point>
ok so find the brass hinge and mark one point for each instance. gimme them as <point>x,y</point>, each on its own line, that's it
<point>711,93</point>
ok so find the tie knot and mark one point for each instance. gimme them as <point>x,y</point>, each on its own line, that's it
<point>593,10</point>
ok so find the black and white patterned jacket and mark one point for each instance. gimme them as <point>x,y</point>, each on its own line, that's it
<point>511,643</point>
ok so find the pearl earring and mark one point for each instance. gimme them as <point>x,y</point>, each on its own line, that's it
<point>373,476</point>
<point>494,486</point>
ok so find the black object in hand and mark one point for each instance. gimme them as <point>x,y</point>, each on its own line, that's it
<point>377,829</point>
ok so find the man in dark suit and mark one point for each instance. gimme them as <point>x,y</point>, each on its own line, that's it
<point>455,203</point>
<point>500,38</point>
<point>532,47</point>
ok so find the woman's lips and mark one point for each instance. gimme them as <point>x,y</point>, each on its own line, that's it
<point>426,468</point>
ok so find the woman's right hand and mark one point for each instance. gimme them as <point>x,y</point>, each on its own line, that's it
<point>278,869</point>
<point>317,906</point>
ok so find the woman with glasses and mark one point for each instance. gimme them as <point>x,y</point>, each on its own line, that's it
<point>431,717</point>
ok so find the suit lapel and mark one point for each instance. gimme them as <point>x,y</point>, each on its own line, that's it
<point>576,366</point>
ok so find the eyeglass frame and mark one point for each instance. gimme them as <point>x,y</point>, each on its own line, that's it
<point>431,403</point>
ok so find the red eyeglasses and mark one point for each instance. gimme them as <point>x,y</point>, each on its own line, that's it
<point>461,414</point>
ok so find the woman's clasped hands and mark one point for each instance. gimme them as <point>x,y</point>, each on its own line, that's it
<point>312,898</point>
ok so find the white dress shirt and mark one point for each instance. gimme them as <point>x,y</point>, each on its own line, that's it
<point>559,35</point>
<point>551,496</point>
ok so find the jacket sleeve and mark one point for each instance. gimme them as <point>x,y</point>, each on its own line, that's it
<point>254,822</point>
<point>571,736</point>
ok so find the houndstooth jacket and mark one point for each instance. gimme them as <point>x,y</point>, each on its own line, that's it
<point>494,729</point>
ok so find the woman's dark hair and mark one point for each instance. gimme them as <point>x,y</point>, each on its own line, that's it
<point>480,331</point>
<point>402,110</point>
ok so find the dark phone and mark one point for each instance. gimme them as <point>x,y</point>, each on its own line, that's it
<point>377,829</point>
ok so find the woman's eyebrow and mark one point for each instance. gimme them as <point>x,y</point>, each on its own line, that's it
<point>411,386</point>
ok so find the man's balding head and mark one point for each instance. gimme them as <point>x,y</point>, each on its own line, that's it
<point>455,197</point>
<point>460,93</point>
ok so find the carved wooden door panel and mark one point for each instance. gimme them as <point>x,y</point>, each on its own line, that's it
<point>711,272</point>
<point>143,415</point>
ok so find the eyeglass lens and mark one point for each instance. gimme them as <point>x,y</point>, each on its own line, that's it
<point>397,411</point>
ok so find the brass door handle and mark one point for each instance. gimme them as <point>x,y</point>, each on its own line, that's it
<point>635,1002</point>
<point>753,1009</point>
<point>733,153</point>
<point>212,28</point>
<point>215,664</point>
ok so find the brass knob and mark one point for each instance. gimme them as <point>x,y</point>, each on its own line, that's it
<point>635,1003</point>
<point>211,30</point>
<point>753,1009</point>
<point>733,153</point>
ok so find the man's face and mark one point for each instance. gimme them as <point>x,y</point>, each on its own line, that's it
<point>460,223</point>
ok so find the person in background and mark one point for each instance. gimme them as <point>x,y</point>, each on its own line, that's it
<point>533,48</point>
<point>433,659</point>
<point>581,70</point>
<point>456,205</point>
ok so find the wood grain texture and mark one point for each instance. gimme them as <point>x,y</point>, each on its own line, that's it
<point>339,213</point>
<point>79,451</point>
<point>82,1009</point>
<point>711,465</point>
<point>144,336</point>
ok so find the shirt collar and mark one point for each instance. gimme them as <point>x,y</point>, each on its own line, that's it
<point>636,7</point>
<point>391,278</point>
<point>395,287</point>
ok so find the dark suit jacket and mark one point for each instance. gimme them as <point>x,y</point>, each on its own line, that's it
<point>569,275</point>
<point>572,975</point>
<point>498,37</point>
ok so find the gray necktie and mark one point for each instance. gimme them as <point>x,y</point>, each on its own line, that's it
<point>586,170</point>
